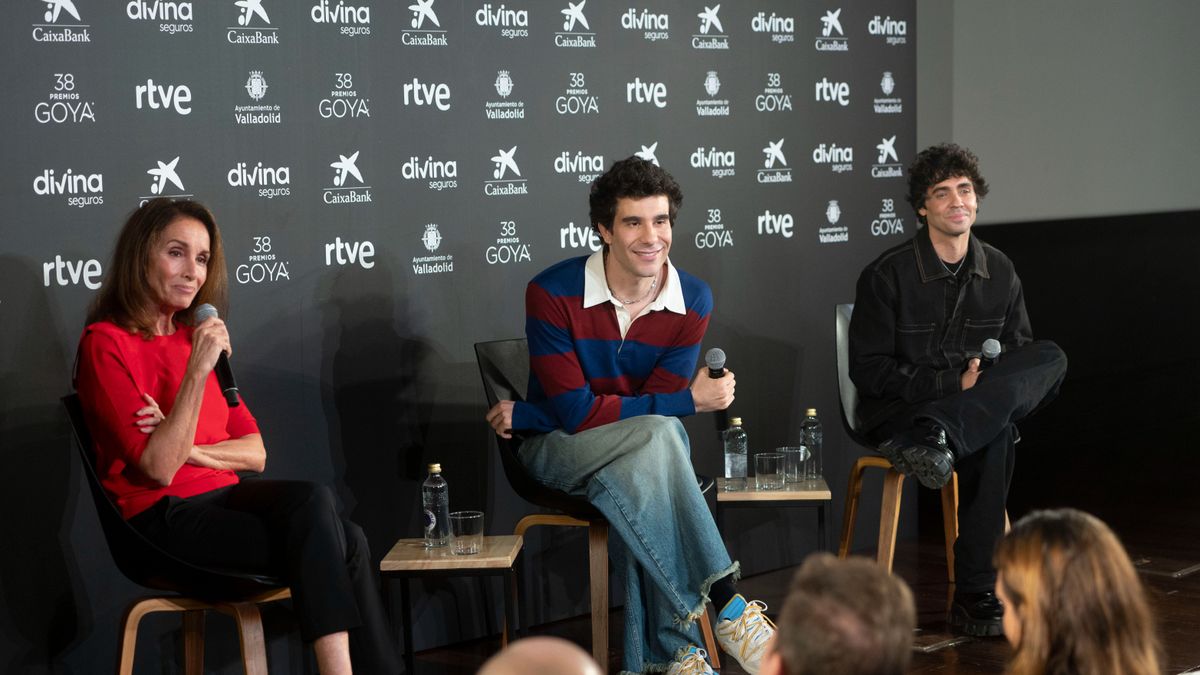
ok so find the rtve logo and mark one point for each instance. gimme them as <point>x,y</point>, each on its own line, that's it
<point>828,92</point>
<point>578,237</point>
<point>156,96</point>
<point>71,272</point>
<point>419,94</point>
<point>350,253</point>
<point>646,92</point>
<point>769,223</point>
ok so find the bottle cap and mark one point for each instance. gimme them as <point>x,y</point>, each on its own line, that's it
<point>435,468</point>
<point>735,421</point>
<point>811,412</point>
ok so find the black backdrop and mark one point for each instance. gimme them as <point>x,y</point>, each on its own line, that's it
<point>356,297</point>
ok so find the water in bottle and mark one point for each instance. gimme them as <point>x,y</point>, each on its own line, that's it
<point>435,500</point>
<point>812,437</point>
<point>735,455</point>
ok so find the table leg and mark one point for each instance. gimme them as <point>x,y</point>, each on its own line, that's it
<point>510,606</point>
<point>822,534</point>
<point>406,618</point>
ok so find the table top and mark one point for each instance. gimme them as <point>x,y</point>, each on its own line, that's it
<point>790,493</point>
<point>410,555</point>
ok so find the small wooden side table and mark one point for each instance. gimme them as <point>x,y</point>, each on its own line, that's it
<point>817,495</point>
<point>409,558</point>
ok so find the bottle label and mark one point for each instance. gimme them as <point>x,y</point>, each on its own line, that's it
<point>430,521</point>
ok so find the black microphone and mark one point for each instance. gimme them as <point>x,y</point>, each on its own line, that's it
<point>224,373</point>
<point>715,359</point>
<point>989,354</point>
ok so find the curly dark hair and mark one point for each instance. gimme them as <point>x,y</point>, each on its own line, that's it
<point>938,163</point>
<point>631,177</point>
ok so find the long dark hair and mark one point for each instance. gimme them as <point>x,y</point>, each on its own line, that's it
<point>125,297</point>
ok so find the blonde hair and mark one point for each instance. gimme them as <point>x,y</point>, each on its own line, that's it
<point>1080,603</point>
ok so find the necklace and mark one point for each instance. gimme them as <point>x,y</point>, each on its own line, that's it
<point>653,285</point>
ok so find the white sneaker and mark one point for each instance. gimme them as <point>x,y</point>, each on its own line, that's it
<point>694,662</point>
<point>746,637</point>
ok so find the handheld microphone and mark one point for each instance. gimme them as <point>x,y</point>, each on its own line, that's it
<point>715,360</point>
<point>989,354</point>
<point>224,373</point>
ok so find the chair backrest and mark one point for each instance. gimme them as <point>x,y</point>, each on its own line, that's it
<point>847,392</point>
<point>504,367</point>
<point>137,557</point>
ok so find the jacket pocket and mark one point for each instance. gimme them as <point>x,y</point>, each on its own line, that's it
<point>975,331</point>
<point>915,340</point>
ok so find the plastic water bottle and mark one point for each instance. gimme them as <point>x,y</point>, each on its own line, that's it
<point>812,437</point>
<point>735,455</point>
<point>435,500</point>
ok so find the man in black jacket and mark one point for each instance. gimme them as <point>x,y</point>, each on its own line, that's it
<point>922,312</point>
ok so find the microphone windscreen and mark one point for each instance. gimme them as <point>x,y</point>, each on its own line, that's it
<point>205,312</point>
<point>991,348</point>
<point>715,358</point>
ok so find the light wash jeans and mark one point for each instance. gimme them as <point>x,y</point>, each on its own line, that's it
<point>638,473</point>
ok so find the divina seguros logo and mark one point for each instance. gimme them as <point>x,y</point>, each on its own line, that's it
<point>253,25</point>
<point>586,168</point>
<point>351,21</point>
<point>342,192</point>
<point>262,265</point>
<point>511,23</point>
<point>782,29</point>
<point>173,17</point>
<point>894,31</point>
<point>53,31</point>
<point>721,162</point>
<point>64,105</point>
<point>269,182</point>
<point>654,27</point>
<point>436,173</point>
<point>839,158</point>
<point>79,188</point>
<point>573,20</point>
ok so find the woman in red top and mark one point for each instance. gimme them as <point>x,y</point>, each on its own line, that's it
<point>168,446</point>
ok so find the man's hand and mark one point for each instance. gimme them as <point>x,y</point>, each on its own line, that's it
<point>711,394</point>
<point>500,418</point>
<point>970,375</point>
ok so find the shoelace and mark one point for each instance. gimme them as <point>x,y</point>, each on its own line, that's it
<point>694,663</point>
<point>752,622</point>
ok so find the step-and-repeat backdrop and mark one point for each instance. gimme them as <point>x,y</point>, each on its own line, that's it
<point>387,176</point>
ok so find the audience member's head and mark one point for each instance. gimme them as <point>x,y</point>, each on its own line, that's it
<point>843,617</point>
<point>541,656</point>
<point>1073,603</point>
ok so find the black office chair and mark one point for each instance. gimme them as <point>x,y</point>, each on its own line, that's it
<point>193,589</point>
<point>504,367</point>
<point>893,481</point>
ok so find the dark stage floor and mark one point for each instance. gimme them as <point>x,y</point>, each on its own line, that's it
<point>1165,540</point>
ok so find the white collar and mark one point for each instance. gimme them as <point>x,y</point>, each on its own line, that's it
<point>596,290</point>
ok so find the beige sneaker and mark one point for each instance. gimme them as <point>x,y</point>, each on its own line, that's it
<point>746,637</point>
<point>694,662</point>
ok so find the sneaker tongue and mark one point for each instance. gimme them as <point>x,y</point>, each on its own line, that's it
<point>733,610</point>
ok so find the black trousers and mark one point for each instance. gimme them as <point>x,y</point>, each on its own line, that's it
<point>289,529</point>
<point>980,424</point>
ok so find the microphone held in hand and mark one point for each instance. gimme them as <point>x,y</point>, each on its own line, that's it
<point>224,373</point>
<point>715,360</point>
<point>989,354</point>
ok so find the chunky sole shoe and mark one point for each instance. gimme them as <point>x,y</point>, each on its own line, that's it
<point>894,453</point>
<point>962,622</point>
<point>932,466</point>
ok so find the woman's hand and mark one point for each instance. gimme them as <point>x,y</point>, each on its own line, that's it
<point>150,416</point>
<point>209,339</point>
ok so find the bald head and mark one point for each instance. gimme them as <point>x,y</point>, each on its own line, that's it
<point>541,656</point>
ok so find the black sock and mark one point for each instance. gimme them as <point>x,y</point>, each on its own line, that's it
<point>722,591</point>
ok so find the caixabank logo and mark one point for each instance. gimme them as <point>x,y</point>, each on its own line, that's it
<point>267,182</point>
<point>349,187</point>
<point>61,22</point>
<point>434,263</point>
<point>830,36</point>
<point>712,106</point>
<point>262,264</point>
<point>893,31</point>
<point>508,247</point>
<point>775,167</point>
<point>887,165</point>
<point>888,104</point>
<point>75,188</point>
<point>712,32</point>
<point>253,25</point>
<point>509,23</point>
<point>255,107</point>
<point>506,176</point>
<point>720,163</point>
<point>584,167</point>
<point>349,20</point>
<point>345,100</point>
<point>507,106</point>
<point>64,104</point>
<point>576,31</point>
<point>171,17</point>
<point>576,99</point>
<point>424,27</point>
<point>165,181</point>
<point>781,29</point>
<point>654,26</point>
<point>649,153</point>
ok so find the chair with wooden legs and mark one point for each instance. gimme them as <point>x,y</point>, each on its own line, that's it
<point>193,590</point>
<point>504,367</point>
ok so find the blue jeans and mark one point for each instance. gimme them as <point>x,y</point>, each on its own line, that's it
<point>638,473</point>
